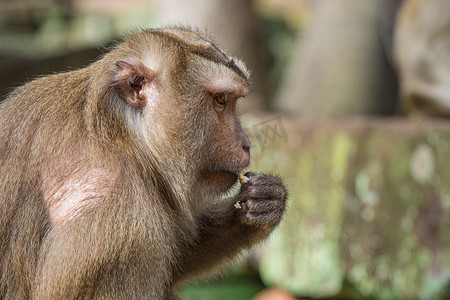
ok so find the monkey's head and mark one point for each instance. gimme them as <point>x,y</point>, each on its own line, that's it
<point>181,94</point>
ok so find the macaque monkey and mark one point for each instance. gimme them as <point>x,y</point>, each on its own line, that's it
<point>111,176</point>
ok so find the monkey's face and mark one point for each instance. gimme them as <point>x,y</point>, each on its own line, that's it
<point>228,145</point>
<point>188,114</point>
<point>223,148</point>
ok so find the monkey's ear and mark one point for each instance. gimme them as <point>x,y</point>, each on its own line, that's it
<point>130,79</point>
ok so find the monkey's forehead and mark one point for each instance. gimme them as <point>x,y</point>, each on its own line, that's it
<point>217,77</point>
<point>201,44</point>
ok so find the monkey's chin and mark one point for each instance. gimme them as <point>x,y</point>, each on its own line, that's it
<point>220,181</point>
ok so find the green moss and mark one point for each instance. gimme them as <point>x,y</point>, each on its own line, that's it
<point>304,254</point>
<point>353,214</point>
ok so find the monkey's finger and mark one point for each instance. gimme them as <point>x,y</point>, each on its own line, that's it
<point>263,206</point>
<point>255,214</point>
<point>266,192</point>
<point>249,175</point>
<point>261,179</point>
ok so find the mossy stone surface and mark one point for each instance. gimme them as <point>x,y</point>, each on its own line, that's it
<point>369,205</point>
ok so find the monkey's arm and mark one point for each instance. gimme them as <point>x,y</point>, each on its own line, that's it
<point>224,230</point>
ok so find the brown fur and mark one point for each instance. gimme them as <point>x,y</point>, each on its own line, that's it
<point>110,175</point>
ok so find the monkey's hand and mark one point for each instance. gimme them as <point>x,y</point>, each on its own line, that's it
<point>227,228</point>
<point>261,202</point>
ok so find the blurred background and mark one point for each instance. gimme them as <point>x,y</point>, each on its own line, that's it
<point>350,104</point>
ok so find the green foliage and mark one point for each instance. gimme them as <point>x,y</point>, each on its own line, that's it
<point>241,286</point>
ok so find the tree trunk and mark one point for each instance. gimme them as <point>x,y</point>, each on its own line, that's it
<point>341,63</point>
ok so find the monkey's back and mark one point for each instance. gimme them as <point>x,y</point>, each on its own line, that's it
<point>32,120</point>
<point>44,126</point>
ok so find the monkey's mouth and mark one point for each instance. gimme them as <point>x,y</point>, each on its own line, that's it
<point>221,179</point>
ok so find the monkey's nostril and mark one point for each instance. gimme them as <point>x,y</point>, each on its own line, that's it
<point>246,148</point>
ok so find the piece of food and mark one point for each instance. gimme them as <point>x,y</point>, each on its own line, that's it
<point>242,178</point>
<point>238,205</point>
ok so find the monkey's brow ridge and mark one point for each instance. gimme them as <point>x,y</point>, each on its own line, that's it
<point>200,45</point>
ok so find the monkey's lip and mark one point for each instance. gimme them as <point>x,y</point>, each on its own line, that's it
<point>230,171</point>
<point>223,179</point>
<point>234,172</point>
<point>224,172</point>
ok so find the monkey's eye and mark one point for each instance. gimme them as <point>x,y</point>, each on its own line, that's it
<point>220,98</point>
